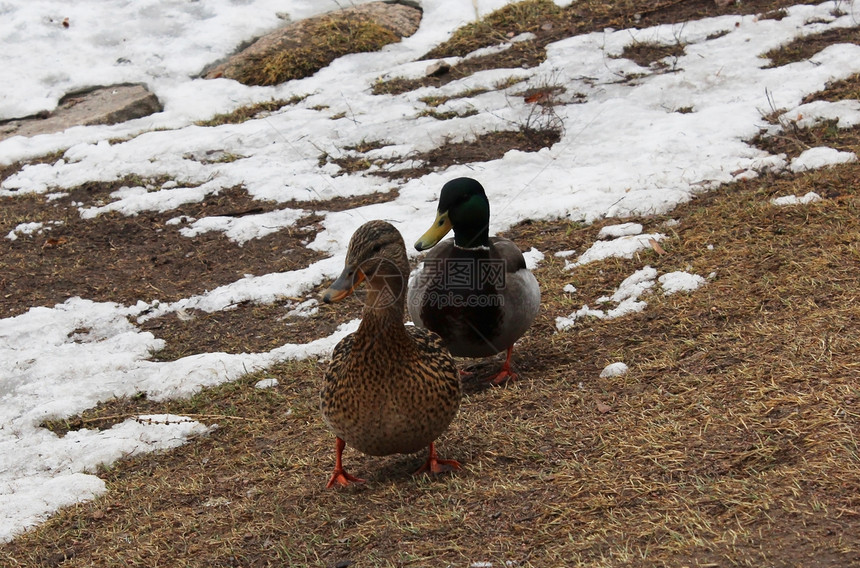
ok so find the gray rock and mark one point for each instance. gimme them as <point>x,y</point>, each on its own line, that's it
<point>99,105</point>
<point>437,69</point>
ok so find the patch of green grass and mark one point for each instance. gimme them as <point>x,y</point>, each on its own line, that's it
<point>395,86</point>
<point>365,146</point>
<point>249,112</point>
<point>793,141</point>
<point>328,39</point>
<point>447,115</point>
<point>434,101</point>
<point>352,164</point>
<point>550,23</point>
<point>503,84</point>
<point>498,27</point>
<point>845,89</point>
<point>802,48</point>
<point>645,54</point>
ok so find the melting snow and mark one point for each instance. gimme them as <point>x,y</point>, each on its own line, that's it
<point>819,157</point>
<point>624,151</point>
<point>614,370</point>
<point>620,230</point>
<point>810,197</point>
<point>622,247</point>
<point>674,282</point>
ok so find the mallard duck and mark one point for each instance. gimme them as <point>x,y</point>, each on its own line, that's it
<point>390,388</point>
<point>474,291</point>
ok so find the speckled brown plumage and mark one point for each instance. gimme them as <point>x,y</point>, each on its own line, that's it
<point>389,388</point>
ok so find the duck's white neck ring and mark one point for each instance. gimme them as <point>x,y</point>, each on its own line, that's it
<point>482,247</point>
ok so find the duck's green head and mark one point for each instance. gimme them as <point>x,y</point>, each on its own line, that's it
<point>463,206</point>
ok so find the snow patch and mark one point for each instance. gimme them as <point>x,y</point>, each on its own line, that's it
<point>674,282</point>
<point>533,257</point>
<point>819,157</point>
<point>810,197</point>
<point>24,229</point>
<point>626,296</point>
<point>622,247</point>
<point>614,370</point>
<point>243,229</point>
<point>620,230</point>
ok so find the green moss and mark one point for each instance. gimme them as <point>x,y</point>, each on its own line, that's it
<point>327,40</point>
<point>494,28</point>
<point>447,115</point>
<point>248,112</point>
<point>396,86</point>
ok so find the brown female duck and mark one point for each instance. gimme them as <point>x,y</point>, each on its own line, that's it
<point>390,389</point>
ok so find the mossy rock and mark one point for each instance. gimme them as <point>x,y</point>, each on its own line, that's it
<point>303,48</point>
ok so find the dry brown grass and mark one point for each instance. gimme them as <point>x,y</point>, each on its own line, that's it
<point>550,23</point>
<point>326,39</point>
<point>492,145</point>
<point>249,112</point>
<point>732,441</point>
<point>803,48</point>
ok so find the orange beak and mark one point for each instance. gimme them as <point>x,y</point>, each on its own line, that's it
<point>344,285</point>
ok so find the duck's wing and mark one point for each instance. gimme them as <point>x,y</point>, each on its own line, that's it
<point>521,292</point>
<point>508,251</point>
<point>339,359</point>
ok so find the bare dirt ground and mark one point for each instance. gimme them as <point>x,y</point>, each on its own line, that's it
<point>733,440</point>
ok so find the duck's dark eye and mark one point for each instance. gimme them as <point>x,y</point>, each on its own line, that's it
<point>376,249</point>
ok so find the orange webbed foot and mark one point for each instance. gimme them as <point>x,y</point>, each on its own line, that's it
<point>505,374</point>
<point>340,476</point>
<point>436,465</point>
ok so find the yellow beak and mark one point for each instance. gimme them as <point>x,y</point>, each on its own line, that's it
<point>434,234</point>
<point>344,285</point>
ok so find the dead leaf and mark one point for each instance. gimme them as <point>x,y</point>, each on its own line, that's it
<point>537,97</point>
<point>54,242</point>
<point>656,246</point>
<point>603,408</point>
